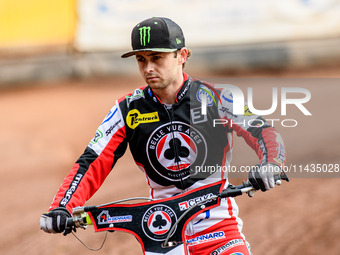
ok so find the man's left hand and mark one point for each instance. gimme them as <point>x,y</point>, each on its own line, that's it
<point>265,176</point>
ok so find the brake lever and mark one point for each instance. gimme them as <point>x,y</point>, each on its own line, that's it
<point>234,191</point>
<point>246,187</point>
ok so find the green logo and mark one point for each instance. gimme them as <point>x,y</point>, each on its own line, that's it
<point>138,93</point>
<point>144,33</point>
<point>97,136</point>
<point>178,41</point>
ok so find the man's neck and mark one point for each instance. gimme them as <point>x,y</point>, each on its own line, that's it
<point>168,94</point>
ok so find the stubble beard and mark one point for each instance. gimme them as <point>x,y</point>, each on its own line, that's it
<point>160,84</point>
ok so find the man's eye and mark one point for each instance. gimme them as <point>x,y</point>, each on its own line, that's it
<point>140,59</point>
<point>156,57</point>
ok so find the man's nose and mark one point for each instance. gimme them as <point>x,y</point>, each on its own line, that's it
<point>148,67</point>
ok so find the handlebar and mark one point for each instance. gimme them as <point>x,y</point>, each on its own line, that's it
<point>81,219</point>
<point>246,187</point>
<point>234,191</point>
<point>177,210</point>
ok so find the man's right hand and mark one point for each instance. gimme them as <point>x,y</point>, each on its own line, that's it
<point>55,220</point>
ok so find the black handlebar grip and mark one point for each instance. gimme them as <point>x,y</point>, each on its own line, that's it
<point>69,223</point>
<point>229,192</point>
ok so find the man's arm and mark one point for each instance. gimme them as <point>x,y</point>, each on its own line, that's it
<point>90,170</point>
<point>261,137</point>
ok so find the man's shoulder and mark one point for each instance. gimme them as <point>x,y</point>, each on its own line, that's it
<point>137,94</point>
<point>200,86</point>
<point>197,83</point>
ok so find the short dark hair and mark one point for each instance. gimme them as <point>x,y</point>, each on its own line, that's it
<point>189,54</point>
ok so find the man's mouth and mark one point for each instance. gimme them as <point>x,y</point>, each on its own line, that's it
<point>151,77</point>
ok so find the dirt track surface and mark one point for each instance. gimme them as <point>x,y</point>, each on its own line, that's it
<point>45,129</point>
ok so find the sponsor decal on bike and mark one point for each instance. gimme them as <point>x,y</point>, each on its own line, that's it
<point>157,221</point>
<point>227,246</point>
<point>173,147</point>
<point>206,238</point>
<point>134,118</point>
<point>105,218</point>
<point>194,201</point>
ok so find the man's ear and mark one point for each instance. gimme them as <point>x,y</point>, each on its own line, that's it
<point>182,56</point>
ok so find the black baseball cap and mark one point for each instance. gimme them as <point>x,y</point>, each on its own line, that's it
<point>156,34</point>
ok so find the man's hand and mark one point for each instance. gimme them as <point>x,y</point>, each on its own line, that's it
<point>55,221</point>
<point>265,176</point>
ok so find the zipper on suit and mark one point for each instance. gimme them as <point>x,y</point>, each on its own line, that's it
<point>176,150</point>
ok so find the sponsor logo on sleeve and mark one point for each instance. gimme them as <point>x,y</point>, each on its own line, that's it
<point>247,112</point>
<point>280,150</point>
<point>228,96</point>
<point>72,189</point>
<point>227,246</point>
<point>203,91</point>
<point>97,136</point>
<point>110,115</point>
<point>111,128</point>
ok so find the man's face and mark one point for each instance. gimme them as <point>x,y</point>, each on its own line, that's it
<point>159,69</point>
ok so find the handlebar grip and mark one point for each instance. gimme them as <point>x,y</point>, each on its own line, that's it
<point>69,223</point>
<point>230,193</point>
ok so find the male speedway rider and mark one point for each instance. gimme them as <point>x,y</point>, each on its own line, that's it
<point>166,138</point>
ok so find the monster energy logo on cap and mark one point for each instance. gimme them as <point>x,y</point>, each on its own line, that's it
<point>144,32</point>
<point>167,36</point>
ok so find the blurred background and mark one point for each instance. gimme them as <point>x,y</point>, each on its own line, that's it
<point>43,40</point>
<point>61,72</point>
